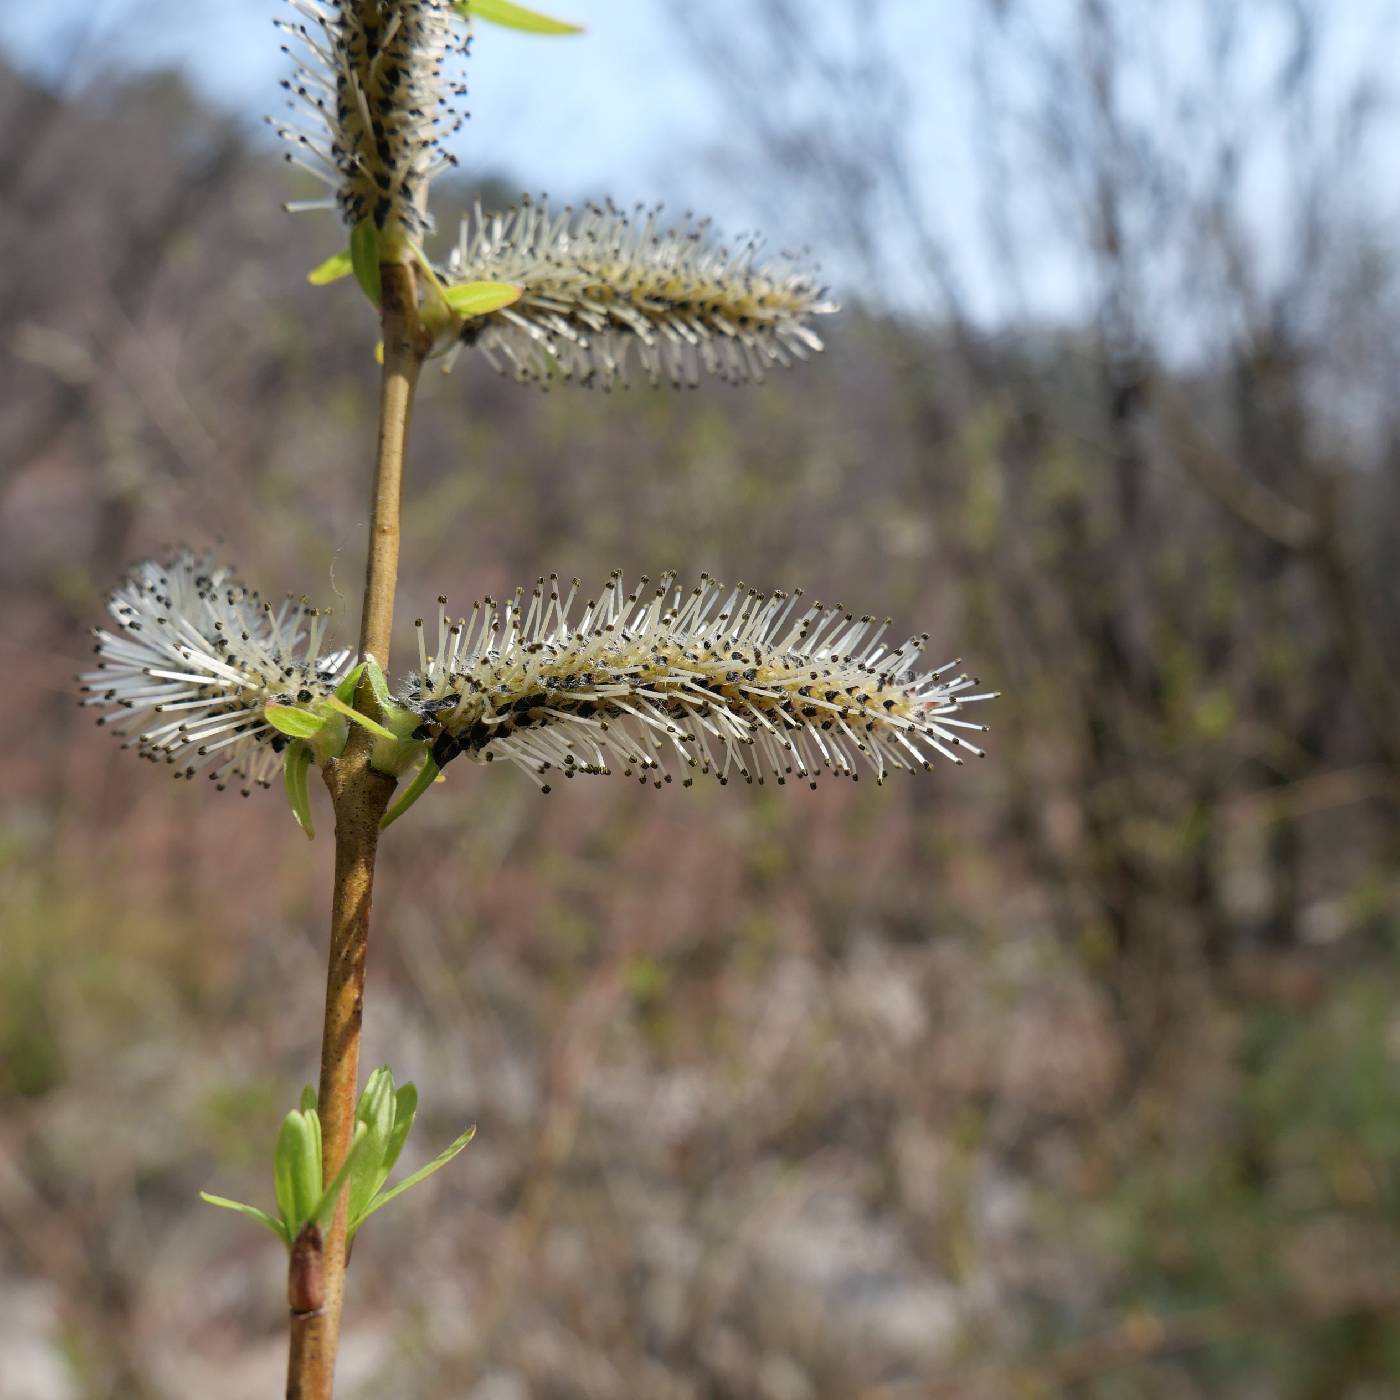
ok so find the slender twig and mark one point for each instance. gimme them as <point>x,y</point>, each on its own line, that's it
<point>359,796</point>
<point>404,351</point>
<point>1217,472</point>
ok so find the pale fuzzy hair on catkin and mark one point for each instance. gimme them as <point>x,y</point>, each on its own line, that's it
<point>196,659</point>
<point>731,682</point>
<point>371,76</point>
<point>601,285</point>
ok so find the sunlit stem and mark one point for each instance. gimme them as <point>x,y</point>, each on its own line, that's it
<point>360,797</point>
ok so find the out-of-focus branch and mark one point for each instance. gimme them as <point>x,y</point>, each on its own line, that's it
<point>1225,481</point>
<point>1145,1338</point>
<point>1318,535</point>
<point>1371,670</point>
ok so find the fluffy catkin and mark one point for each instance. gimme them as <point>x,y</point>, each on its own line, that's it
<point>725,681</point>
<point>370,75</point>
<point>600,284</point>
<point>197,658</point>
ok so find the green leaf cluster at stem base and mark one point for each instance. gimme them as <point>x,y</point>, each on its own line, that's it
<point>320,729</point>
<point>383,1120</point>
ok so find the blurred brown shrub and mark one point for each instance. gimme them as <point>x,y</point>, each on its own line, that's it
<point>1073,1073</point>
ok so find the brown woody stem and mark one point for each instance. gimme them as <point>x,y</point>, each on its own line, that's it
<point>360,797</point>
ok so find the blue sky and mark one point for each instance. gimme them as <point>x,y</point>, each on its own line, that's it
<point>624,111</point>
<point>560,113</point>
<point>620,111</point>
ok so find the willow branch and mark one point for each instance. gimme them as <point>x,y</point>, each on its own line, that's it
<point>403,358</point>
<point>360,796</point>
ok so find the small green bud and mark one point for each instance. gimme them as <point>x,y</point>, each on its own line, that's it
<point>394,751</point>
<point>329,741</point>
<point>297,1169</point>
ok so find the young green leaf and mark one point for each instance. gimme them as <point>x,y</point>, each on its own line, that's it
<point>480,298</point>
<point>325,1205</point>
<point>335,703</point>
<point>512,16</point>
<point>424,779</point>
<point>399,720</point>
<point>378,1090</point>
<point>297,1169</point>
<point>252,1212</point>
<point>376,1111</point>
<point>308,1098</point>
<point>394,759</point>
<point>364,258</point>
<point>346,689</point>
<point>313,1120</point>
<point>330,742</point>
<point>432,283</point>
<point>332,270</point>
<point>284,1171</point>
<point>300,724</point>
<point>405,1111</point>
<point>298,762</point>
<point>378,685</point>
<point>438,1162</point>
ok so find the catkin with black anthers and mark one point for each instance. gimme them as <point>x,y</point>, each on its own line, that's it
<point>196,660</point>
<point>657,682</point>
<point>371,76</point>
<point>600,286</point>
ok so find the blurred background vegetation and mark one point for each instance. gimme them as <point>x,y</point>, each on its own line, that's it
<point>1073,1073</point>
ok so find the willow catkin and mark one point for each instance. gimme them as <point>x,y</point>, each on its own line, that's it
<point>600,285</point>
<point>731,682</point>
<point>371,76</point>
<point>196,659</point>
